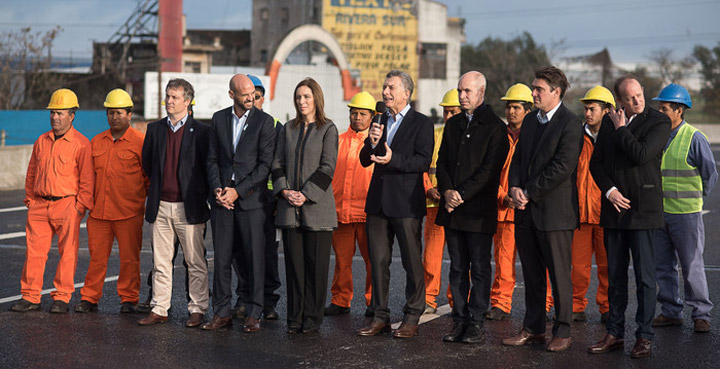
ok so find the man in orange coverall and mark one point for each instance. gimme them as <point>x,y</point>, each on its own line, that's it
<point>518,103</point>
<point>120,191</point>
<point>588,239</point>
<point>58,191</point>
<point>435,234</point>
<point>350,186</point>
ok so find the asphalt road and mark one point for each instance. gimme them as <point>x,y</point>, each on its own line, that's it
<point>110,340</point>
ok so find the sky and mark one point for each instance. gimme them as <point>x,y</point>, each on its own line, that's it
<point>631,29</point>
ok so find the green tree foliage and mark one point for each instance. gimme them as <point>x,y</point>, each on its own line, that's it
<point>504,63</point>
<point>710,69</point>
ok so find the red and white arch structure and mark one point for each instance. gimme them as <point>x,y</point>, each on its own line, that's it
<point>311,32</point>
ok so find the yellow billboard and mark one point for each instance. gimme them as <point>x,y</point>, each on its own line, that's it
<point>376,37</point>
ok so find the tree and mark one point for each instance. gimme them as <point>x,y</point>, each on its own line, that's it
<point>25,59</point>
<point>671,70</point>
<point>504,63</point>
<point>710,71</point>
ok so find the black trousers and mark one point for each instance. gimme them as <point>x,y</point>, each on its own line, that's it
<point>382,232</point>
<point>307,262</point>
<point>540,251</point>
<point>470,253</point>
<point>620,244</point>
<point>238,233</point>
<point>272,277</point>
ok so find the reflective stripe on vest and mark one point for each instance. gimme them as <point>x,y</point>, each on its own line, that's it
<point>681,183</point>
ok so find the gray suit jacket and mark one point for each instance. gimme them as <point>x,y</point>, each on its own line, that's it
<point>305,161</point>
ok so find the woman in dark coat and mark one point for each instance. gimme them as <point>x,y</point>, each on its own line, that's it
<point>302,171</point>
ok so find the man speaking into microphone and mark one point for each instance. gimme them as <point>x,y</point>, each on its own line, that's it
<point>401,147</point>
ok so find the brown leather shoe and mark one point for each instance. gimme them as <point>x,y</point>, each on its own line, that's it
<point>558,344</point>
<point>375,328</point>
<point>196,320</point>
<point>524,338</point>
<point>664,321</point>
<point>643,348</point>
<point>152,318</point>
<point>252,325</point>
<point>217,322</point>
<point>406,330</point>
<point>702,326</point>
<point>607,344</point>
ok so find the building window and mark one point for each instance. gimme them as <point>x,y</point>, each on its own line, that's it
<point>433,61</point>
<point>192,67</point>
<point>264,14</point>
<point>263,56</point>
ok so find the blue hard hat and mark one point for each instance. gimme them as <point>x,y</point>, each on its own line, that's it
<point>257,82</point>
<point>675,93</point>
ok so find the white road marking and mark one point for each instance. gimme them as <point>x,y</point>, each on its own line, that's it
<point>6,236</point>
<point>17,208</point>
<point>77,285</point>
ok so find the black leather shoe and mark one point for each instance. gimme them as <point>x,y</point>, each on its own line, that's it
<point>496,314</point>
<point>333,309</point>
<point>145,306</point>
<point>127,308</point>
<point>24,306</point>
<point>294,328</point>
<point>270,314</point>
<point>456,334</point>
<point>579,317</point>
<point>59,307</point>
<point>85,306</point>
<point>474,334</point>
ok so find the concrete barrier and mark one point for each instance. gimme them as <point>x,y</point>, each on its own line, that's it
<point>13,166</point>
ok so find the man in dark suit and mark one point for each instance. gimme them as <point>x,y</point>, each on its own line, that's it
<point>471,157</point>
<point>543,186</point>
<point>401,147</point>
<point>626,168</point>
<point>174,157</point>
<point>242,139</point>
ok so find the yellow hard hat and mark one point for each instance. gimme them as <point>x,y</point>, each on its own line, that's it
<point>363,100</point>
<point>118,98</point>
<point>450,98</point>
<point>518,92</point>
<point>599,93</point>
<point>63,99</point>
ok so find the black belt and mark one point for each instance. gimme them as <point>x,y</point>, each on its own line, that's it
<point>55,198</point>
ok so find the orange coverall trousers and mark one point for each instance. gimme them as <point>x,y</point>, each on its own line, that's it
<point>343,242</point>
<point>433,257</point>
<point>504,283</point>
<point>586,241</point>
<point>46,218</point>
<point>100,239</point>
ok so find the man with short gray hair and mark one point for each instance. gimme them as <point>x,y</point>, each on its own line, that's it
<point>401,147</point>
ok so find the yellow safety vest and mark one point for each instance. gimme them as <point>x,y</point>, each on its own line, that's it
<point>681,182</point>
